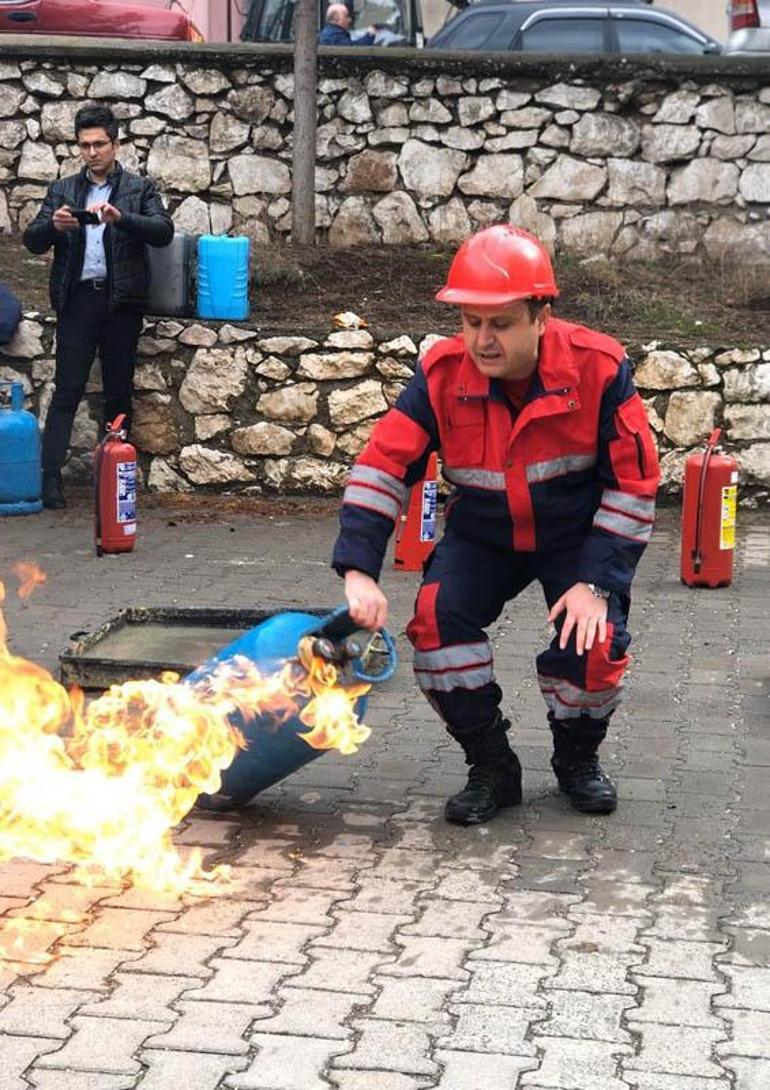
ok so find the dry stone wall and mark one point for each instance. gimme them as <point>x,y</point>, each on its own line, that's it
<point>221,407</point>
<point>624,158</point>
<point>621,157</point>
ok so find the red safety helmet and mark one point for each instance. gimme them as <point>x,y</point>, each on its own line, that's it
<point>497,265</point>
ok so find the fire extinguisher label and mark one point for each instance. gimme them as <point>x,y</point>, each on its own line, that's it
<point>428,516</point>
<point>126,492</point>
<point>727,524</point>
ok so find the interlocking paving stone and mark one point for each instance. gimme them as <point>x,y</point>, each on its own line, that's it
<point>102,1044</point>
<point>399,999</point>
<point>389,1046</point>
<point>421,956</point>
<point>670,1050</point>
<point>749,1074</point>
<point>311,1013</point>
<point>677,1002</point>
<point>16,1054</point>
<point>188,1070</point>
<point>270,940</point>
<point>578,1065</point>
<point>683,960</point>
<point>217,917</point>
<point>482,1028</point>
<point>140,995</point>
<point>242,981</point>
<point>82,967</point>
<point>471,1070</point>
<point>362,931</point>
<point>208,1026</point>
<point>507,983</point>
<point>346,971</point>
<point>288,1063</point>
<point>387,895</point>
<point>169,952</point>
<point>585,1015</point>
<point>42,1011</point>
<point>750,1034</point>
<point>119,929</point>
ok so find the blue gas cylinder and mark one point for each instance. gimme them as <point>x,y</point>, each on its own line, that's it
<point>223,277</point>
<point>20,475</point>
<point>274,749</point>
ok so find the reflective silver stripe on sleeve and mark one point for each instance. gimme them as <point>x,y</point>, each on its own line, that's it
<point>566,701</point>
<point>465,678</point>
<point>632,505</point>
<point>455,657</point>
<point>557,467</point>
<point>368,475</point>
<point>624,525</point>
<point>476,478</point>
<point>359,496</point>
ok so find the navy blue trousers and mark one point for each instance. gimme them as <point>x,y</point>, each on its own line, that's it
<point>464,589</point>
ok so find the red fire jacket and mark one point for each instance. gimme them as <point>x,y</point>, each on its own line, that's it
<point>576,468</point>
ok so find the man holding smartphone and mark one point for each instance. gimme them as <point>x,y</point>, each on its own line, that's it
<point>98,222</point>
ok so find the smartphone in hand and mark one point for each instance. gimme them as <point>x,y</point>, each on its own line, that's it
<point>85,218</point>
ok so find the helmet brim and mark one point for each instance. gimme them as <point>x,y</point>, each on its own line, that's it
<point>490,298</point>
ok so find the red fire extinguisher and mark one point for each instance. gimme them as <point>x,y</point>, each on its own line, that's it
<point>416,528</point>
<point>708,516</point>
<point>114,491</point>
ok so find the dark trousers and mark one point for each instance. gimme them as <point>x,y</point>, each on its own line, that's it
<point>464,589</point>
<point>83,327</point>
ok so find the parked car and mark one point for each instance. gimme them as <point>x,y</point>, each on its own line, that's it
<point>749,23</point>
<point>94,19</point>
<point>567,26</point>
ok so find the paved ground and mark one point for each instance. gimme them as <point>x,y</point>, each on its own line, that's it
<point>375,948</point>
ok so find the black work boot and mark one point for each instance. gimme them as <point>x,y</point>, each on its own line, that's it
<point>494,780</point>
<point>577,768</point>
<point>53,492</point>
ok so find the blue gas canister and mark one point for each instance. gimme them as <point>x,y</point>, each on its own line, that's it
<point>223,277</point>
<point>276,749</point>
<point>20,474</point>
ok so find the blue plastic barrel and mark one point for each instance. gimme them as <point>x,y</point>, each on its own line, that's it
<point>274,749</point>
<point>20,475</point>
<point>223,277</point>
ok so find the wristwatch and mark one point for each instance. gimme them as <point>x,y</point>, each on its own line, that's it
<point>598,592</point>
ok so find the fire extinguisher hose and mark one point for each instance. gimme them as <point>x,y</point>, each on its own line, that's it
<point>697,555</point>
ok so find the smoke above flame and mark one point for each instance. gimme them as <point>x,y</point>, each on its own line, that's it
<point>101,784</point>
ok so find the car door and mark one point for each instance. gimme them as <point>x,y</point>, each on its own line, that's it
<point>20,16</point>
<point>561,30</point>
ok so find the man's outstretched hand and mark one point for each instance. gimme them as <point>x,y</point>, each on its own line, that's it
<point>367,605</point>
<point>586,614</point>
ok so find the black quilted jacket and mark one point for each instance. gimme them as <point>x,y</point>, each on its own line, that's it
<point>144,220</point>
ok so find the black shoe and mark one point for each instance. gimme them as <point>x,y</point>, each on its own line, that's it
<point>576,765</point>
<point>53,492</point>
<point>494,780</point>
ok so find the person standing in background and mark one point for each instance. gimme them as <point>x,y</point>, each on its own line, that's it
<point>98,222</point>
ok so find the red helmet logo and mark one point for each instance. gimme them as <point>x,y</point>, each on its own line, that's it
<point>496,266</point>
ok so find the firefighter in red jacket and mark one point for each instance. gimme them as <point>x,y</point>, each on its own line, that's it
<point>546,445</point>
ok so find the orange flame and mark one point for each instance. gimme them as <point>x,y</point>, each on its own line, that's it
<point>30,576</point>
<point>102,784</point>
